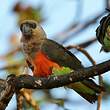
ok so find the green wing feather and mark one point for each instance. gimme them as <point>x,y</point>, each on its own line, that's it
<point>61,71</point>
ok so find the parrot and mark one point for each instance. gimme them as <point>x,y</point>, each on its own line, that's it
<point>103,33</point>
<point>46,57</point>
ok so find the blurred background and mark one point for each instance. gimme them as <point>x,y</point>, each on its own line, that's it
<point>69,22</point>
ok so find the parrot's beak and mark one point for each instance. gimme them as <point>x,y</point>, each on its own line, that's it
<point>26,30</point>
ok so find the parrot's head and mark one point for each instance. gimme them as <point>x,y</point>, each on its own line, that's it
<point>31,28</point>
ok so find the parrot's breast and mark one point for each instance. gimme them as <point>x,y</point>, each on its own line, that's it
<point>43,65</point>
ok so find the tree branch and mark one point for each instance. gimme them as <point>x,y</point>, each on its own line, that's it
<point>65,36</point>
<point>14,83</point>
<point>26,81</point>
<point>7,89</point>
<point>83,51</point>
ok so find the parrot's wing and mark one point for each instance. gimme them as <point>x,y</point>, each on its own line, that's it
<point>63,57</point>
<point>60,55</point>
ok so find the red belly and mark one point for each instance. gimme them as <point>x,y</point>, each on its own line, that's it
<point>43,65</point>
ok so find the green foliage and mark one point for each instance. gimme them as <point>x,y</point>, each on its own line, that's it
<point>61,71</point>
<point>103,33</point>
<point>107,39</point>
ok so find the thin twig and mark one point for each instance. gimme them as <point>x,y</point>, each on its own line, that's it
<point>28,96</point>
<point>107,4</point>
<point>83,51</point>
<point>87,43</point>
<point>65,36</point>
<point>11,66</point>
<point>12,52</point>
<point>19,99</point>
<point>101,94</point>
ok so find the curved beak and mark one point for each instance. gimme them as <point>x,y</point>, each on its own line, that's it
<point>26,30</point>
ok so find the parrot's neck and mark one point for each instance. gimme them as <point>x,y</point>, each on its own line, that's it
<point>33,44</point>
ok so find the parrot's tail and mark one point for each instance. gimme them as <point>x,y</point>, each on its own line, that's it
<point>88,89</point>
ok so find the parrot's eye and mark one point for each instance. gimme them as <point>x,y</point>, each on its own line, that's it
<point>33,25</point>
<point>21,27</point>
